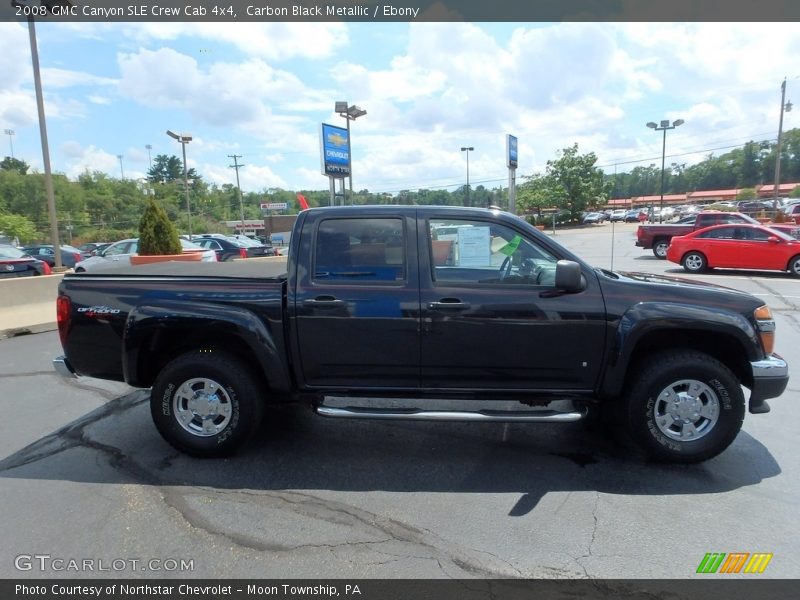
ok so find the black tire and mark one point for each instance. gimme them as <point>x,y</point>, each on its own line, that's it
<point>664,429</point>
<point>234,408</point>
<point>794,266</point>
<point>660,248</point>
<point>694,262</point>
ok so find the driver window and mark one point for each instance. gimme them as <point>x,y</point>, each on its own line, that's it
<point>467,251</point>
<point>115,249</point>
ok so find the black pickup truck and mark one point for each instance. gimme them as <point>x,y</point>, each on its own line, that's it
<point>429,304</point>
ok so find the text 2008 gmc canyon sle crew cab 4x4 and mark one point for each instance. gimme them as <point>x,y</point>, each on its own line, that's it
<point>424,303</point>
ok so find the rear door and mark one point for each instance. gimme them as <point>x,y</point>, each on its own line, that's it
<point>492,317</point>
<point>356,310</point>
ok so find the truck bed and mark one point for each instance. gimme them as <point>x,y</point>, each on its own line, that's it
<point>270,269</point>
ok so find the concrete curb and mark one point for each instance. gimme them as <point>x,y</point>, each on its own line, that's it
<point>28,305</point>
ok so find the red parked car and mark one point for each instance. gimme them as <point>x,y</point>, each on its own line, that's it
<point>736,246</point>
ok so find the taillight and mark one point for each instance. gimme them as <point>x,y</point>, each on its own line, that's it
<point>243,252</point>
<point>63,314</point>
<point>766,328</point>
<point>78,257</point>
<point>46,268</point>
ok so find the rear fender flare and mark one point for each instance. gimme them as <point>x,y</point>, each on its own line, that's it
<point>147,323</point>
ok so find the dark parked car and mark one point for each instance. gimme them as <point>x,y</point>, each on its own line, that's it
<point>754,207</point>
<point>69,254</point>
<point>15,263</point>
<point>93,248</point>
<point>632,216</point>
<point>229,248</point>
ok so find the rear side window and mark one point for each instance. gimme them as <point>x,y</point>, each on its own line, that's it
<point>360,250</point>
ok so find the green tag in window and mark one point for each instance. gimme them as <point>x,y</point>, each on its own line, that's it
<point>511,246</point>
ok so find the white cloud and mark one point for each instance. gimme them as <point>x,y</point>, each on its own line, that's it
<point>266,40</point>
<point>63,78</point>
<point>79,158</point>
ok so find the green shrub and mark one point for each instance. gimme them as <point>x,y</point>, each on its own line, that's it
<point>157,234</point>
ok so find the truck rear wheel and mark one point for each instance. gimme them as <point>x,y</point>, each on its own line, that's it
<point>660,248</point>
<point>206,403</point>
<point>684,407</point>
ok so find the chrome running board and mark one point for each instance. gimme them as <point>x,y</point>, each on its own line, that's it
<point>416,414</point>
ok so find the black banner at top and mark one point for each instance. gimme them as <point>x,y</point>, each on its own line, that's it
<point>399,10</point>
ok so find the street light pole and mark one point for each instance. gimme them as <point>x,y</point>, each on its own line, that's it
<point>149,158</point>
<point>664,126</point>
<point>48,174</point>
<point>785,107</point>
<point>351,113</point>
<point>467,150</point>
<point>236,166</point>
<point>10,134</point>
<point>184,139</point>
<point>121,171</point>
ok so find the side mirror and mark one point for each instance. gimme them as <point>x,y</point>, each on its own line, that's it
<point>774,239</point>
<point>568,276</point>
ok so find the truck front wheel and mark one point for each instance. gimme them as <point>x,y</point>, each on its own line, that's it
<point>206,403</point>
<point>660,248</point>
<point>684,407</point>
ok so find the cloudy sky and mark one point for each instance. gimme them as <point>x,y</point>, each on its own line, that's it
<point>261,90</point>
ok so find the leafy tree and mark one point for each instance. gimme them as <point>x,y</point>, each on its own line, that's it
<point>14,164</point>
<point>572,182</point>
<point>17,226</point>
<point>157,234</point>
<point>166,169</point>
<point>747,194</point>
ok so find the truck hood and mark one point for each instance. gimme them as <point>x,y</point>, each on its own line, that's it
<point>665,288</point>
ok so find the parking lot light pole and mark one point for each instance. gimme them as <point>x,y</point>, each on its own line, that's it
<point>467,149</point>
<point>663,126</point>
<point>10,134</point>
<point>351,113</point>
<point>184,139</point>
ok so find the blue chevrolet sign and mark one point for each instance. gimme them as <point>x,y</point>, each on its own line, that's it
<point>335,151</point>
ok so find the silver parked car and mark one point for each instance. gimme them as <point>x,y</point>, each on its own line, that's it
<point>119,254</point>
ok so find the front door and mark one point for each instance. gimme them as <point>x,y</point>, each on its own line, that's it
<point>492,317</point>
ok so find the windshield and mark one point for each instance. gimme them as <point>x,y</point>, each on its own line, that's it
<point>11,252</point>
<point>187,245</point>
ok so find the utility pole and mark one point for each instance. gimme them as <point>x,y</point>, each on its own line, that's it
<point>236,166</point>
<point>785,107</point>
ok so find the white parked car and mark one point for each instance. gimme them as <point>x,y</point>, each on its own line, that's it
<point>119,254</point>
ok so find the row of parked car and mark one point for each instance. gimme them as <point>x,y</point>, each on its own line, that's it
<point>39,259</point>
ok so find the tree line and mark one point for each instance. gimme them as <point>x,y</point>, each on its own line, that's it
<point>97,207</point>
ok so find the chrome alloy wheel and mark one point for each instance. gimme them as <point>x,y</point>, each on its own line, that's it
<point>694,262</point>
<point>686,410</point>
<point>202,407</point>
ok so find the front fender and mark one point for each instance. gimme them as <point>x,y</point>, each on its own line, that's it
<point>675,320</point>
<point>150,326</point>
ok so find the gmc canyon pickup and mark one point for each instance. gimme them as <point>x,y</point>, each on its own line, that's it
<point>424,303</point>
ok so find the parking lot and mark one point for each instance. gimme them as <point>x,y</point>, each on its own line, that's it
<point>86,476</point>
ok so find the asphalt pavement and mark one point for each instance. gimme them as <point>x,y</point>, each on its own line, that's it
<point>84,475</point>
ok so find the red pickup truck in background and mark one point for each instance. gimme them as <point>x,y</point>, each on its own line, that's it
<point>658,237</point>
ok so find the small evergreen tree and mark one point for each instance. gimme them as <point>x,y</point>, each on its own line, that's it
<point>157,234</point>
